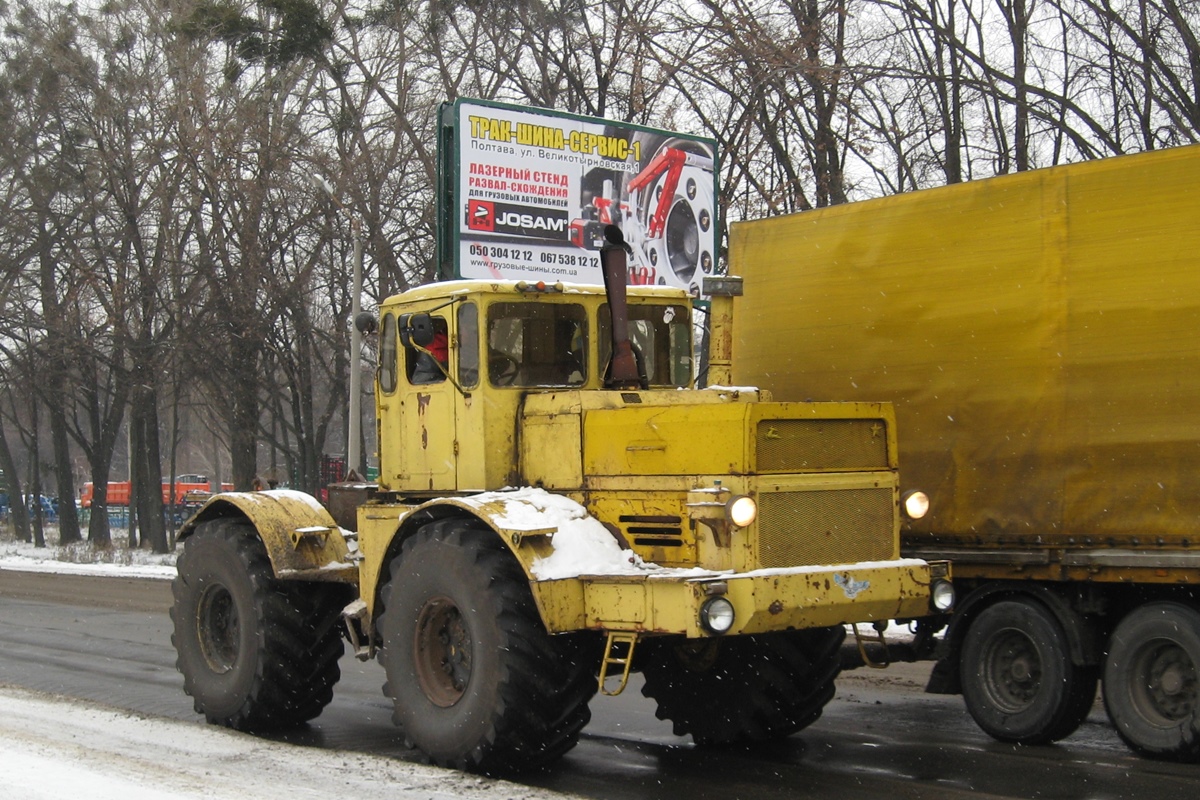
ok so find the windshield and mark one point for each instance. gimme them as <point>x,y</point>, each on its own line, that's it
<point>537,344</point>
<point>662,339</point>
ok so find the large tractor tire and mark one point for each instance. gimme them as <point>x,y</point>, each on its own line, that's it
<point>1018,680</point>
<point>476,681</point>
<point>1152,681</point>
<point>256,653</point>
<point>743,688</point>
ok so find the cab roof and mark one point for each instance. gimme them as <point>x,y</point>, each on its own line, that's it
<point>451,289</point>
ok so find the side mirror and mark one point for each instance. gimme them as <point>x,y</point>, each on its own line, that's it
<point>416,329</point>
<point>365,322</point>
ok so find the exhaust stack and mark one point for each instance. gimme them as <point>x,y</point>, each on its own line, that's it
<point>623,372</point>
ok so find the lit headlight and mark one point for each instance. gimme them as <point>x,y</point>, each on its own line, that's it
<point>741,510</point>
<point>716,615</point>
<point>941,596</point>
<point>915,504</point>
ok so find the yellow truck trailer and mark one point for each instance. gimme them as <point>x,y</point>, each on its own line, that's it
<point>1039,335</point>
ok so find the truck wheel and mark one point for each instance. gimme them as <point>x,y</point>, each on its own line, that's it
<point>476,681</point>
<point>256,653</point>
<point>1152,681</point>
<point>743,688</point>
<point>1018,680</point>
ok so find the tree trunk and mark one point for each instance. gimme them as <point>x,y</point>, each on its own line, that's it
<point>35,482</point>
<point>12,485</point>
<point>99,533</point>
<point>150,502</point>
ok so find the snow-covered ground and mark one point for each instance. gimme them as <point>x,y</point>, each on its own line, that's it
<point>81,559</point>
<point>55,747</point>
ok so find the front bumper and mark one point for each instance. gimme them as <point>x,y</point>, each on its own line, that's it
<point>669,601</point>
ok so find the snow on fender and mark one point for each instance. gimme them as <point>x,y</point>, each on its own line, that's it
<point>564,539</point>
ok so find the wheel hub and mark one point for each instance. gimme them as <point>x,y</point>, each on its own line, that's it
<point>1021,670</point>
<point>218,628</point>
<point>442,652</point>
<point>1014,671</point>
<point>1168,686</point>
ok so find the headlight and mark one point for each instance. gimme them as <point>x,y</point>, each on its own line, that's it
<point>741,510</point>
<point>941,596</point>
<point>915,504</point>
<point>716,615</point>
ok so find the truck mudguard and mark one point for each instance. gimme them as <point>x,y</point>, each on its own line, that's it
<point>301,538</point>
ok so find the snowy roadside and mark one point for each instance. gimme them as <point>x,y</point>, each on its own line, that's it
<point>81,559</point>
<point>53,748</point>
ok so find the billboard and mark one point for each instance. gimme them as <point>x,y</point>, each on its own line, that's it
<point>525,193</point>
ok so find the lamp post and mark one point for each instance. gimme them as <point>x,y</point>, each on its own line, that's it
<point>354,432</point>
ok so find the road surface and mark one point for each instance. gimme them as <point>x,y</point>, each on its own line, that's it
<point>107,640</point>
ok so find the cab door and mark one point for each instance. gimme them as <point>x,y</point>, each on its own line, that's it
<point>427,427</point>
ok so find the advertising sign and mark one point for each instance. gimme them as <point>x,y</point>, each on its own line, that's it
<point>526,193</point>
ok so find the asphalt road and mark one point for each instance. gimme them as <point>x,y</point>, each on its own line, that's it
<point>108,640</point>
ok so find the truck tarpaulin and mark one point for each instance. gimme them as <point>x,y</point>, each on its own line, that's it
<point>1038,334</point>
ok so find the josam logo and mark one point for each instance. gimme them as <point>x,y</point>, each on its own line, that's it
<point>481,216</point>
<point>513,220</point>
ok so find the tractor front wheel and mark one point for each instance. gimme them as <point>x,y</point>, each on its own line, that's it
<point>743,688</point>
<point>476,681</point>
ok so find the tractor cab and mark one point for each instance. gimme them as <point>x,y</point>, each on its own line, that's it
<point>457,359</point>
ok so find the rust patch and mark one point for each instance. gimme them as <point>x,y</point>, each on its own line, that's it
<point>776,607</point>
<point>422,403</point>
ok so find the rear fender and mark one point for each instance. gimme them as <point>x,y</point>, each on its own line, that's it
<point>301,538</point>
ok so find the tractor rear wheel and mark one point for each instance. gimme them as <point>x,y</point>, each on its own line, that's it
<point>256,653</point>
<point>476,681</point>
<point>743,688</point>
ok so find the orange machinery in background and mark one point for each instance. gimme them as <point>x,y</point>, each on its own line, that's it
<point>119,491</point>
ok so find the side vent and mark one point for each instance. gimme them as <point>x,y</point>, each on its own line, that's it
<point>652,531</point>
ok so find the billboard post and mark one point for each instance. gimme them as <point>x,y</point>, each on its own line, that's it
<point>525,194</point>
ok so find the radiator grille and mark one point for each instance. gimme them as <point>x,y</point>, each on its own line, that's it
<point>825,527</point>
<point>802,445</point>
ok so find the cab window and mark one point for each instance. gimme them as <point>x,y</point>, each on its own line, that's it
<point>387,354</point>
<point>468,345</point>
<point>536,344</point>
<point>428,365</point>
<point>662,338</point>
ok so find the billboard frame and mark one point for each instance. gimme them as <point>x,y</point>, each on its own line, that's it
<point>668,206</point>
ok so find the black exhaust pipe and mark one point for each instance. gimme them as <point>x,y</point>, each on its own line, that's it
<point>623,370</point>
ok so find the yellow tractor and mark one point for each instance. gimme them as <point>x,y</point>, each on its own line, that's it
<point>556,508</point>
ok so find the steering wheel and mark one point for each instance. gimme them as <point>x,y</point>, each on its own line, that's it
<point>501,369</point>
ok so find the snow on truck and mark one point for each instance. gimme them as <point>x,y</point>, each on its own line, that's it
<point>711,539</point>
<point>1039,335</point>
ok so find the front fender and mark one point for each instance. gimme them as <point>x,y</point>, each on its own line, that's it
<point>301,538</point>
<point>527,521</point>
<point>551,535</point>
